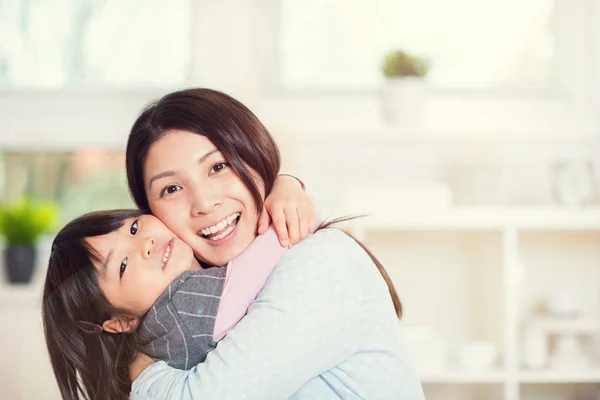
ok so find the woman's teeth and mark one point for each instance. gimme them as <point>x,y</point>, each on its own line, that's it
<point>222,229</point>
<point>166,257</point>
<point>222,234</point>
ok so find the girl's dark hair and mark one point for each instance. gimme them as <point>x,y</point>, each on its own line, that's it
<point>228,124</point>
<point>382,271</point>
<point>88,366</point>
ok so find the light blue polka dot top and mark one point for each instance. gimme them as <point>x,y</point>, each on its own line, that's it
<point>323,327</point>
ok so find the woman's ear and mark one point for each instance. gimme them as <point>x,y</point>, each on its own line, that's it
<point>121,324</point>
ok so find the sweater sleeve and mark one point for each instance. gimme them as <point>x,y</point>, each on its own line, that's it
<point>302,324</point>
<point>246,276</point>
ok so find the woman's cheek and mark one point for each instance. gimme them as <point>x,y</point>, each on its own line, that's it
<point>165,216</point>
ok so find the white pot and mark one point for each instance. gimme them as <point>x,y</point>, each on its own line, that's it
<point>477,355</point>
<point>403,100</point>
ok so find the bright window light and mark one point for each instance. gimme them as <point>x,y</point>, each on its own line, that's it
<point>99,44</point>
<point>473,44</point>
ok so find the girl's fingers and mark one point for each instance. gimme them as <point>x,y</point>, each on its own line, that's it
<point>291,218</point>
<point>279,223</point>
<point>263,221</point>
<point>303,224</point>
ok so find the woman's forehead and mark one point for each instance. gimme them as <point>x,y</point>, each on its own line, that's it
<point>177,149</point>
<point>185,141</point>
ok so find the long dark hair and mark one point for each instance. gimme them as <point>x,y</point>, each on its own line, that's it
<point>226,122</point>
<point>88,366</point>
<point>231,127</point>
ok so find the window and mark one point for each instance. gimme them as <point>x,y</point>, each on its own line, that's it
<point>473,44</point>
<point>115,44</point>
<point>79,181</point>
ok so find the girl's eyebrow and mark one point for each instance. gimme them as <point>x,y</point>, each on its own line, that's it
<point>107,261</point>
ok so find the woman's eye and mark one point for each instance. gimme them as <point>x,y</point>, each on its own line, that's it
<point>134,227</point>
<point>170,190</point>
<point>122,269</point>
<point>219,167</point>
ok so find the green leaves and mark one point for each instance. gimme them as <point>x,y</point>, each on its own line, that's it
<point>22,223</point>
<point>398,63</point>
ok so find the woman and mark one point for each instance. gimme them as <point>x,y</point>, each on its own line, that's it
<point>324,326</point>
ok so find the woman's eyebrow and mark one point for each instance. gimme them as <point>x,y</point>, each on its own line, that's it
<point>173,172</point>
<point>161,175</point>
<point>204,157</point>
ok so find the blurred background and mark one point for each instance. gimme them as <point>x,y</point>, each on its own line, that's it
<point>468,130</point>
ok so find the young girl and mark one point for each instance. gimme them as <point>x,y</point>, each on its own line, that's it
<point>120,282</point>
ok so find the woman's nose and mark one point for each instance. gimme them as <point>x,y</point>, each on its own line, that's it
<point>203,203</point>
<point>148,247</point>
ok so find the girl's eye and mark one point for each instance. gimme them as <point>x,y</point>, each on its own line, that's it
<point>122,269</point>
<point>134,227</point>
<point>219,167</point>
<point>170,190</point>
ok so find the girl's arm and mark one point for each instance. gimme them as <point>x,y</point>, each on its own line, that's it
<point>304,322</point>
<point>291,210</point>
<point>246,276</point>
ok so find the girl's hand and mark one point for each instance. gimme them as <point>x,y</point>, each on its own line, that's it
<point>291,210</point>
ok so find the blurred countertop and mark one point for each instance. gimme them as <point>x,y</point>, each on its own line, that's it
<point>21,296</point>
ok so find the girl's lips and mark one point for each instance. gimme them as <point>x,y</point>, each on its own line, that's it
<point>169,245</point>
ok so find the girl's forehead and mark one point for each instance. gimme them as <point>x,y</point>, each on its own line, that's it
<point>104,244</point>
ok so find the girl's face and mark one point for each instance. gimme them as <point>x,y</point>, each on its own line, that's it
<point>195,192</point>
<point>139,262</point>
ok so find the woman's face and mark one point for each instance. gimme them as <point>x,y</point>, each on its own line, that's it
<point>139,262</point>
<point>191,187</point>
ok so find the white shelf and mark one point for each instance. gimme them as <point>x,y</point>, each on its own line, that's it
<point>375,129</point>
<point>566,326</point>
<point>484,219</point>
<point>493,376</point>
<point>561,376</point>
<point>500,376</point>
<point>508,248</point>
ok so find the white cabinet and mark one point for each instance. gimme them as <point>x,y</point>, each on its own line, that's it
<point>477,275</point>
<point>25,371</point>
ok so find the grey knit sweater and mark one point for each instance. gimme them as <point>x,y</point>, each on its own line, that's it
<point>179,327</point>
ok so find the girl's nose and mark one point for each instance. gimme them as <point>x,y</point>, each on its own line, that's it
<point>148,247</point>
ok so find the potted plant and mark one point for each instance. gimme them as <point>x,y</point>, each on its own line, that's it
<point>405,89</point>
<point>22,224</point>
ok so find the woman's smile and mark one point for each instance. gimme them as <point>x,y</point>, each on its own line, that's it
<point>221,231</point>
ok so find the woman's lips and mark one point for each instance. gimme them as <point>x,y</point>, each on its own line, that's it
<point>222,228</point>
<point>224,236</point>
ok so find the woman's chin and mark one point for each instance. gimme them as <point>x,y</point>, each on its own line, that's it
<point>220,256</point>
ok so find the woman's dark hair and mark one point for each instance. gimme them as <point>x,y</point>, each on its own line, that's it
<point>88,366</point>
<point>228,124</point>
<point>382,271</point>
<point>231,127</point>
